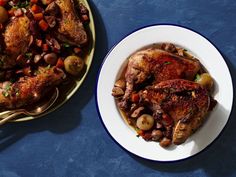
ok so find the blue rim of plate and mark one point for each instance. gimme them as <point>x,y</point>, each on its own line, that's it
<point>96,96</point>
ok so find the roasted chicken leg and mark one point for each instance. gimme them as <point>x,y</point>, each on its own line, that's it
<point>186,102</point>
<point>28,90</point>
<point>16,40</point>
<point>158,65</point>
<point>70,28</point>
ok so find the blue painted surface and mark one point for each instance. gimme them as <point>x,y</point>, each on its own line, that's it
<point>71,142</point>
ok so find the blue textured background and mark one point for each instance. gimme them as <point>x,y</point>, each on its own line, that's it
<point>71,142</point>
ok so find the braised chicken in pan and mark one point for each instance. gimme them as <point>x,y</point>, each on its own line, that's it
<point>43,43</point>
<point>164,93</point>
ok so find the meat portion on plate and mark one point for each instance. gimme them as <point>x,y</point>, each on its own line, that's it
<point>156,65</point>
<point>70,28</point>
<point>184,102</point>
<point>16,41</point>
<point>164,93</point>
<point>28,90</point>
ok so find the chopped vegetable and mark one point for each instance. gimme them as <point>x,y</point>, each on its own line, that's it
<point>46,2</point>
<point>77,50</point>
<point>3,2</point>
<point>85,18</point>
<point>11,12</point>
<point>43,25</point>
<point>145,122</point>
<point>39,42</point>
<point>135,97</point>
<point>60,63</point>
<point>34,1</point>
<point>74,65</point>
<point>45,47</point>
<point>36,9</point>
<point>167,120</point>
<point>38,16</point>
<point>3,15</point>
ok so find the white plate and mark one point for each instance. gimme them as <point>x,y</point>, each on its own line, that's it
<point>209,56</point>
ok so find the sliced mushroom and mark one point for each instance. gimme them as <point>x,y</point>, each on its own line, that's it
<point>157,135</point>
<point>168,47</point>
<point>52,9</point>
<point>180,51</point>
<point>21,60</point>
<point>165,142</point>
<point>37,58</point>
<point>51,20</point>
<point>117,92</point>
<point>159,125</point>
<point>50,58</point>
<point>31,40</point>
<point>120,83</point>
<point>54,44</point>
<point>137,112</point>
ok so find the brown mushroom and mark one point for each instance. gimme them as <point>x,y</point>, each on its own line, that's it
<point>117,92</point>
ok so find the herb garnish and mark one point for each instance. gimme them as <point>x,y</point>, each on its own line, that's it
<point>2,61</point>
<point>24,4</point>
<point>66,21</point>
<point>5,94</point>
<point>28,55</point>
<point>48,67</point>
<point>16,91</point>
<point>167,63</point>
<point>66,45</point>
<point>6,91</point>
<point>197,77</point>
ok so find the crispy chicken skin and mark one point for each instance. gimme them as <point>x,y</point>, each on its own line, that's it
<point>186,102</point>
<point>70,28</point>
<point>16,40</point>
<point>28,90</point>
<point>156,64</point>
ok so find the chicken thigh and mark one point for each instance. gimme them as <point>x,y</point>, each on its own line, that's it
<point>185,102</point>
<point>158,65</point>
<point>28,90</point>
<point>16,41</point>
<point>70,28</point>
